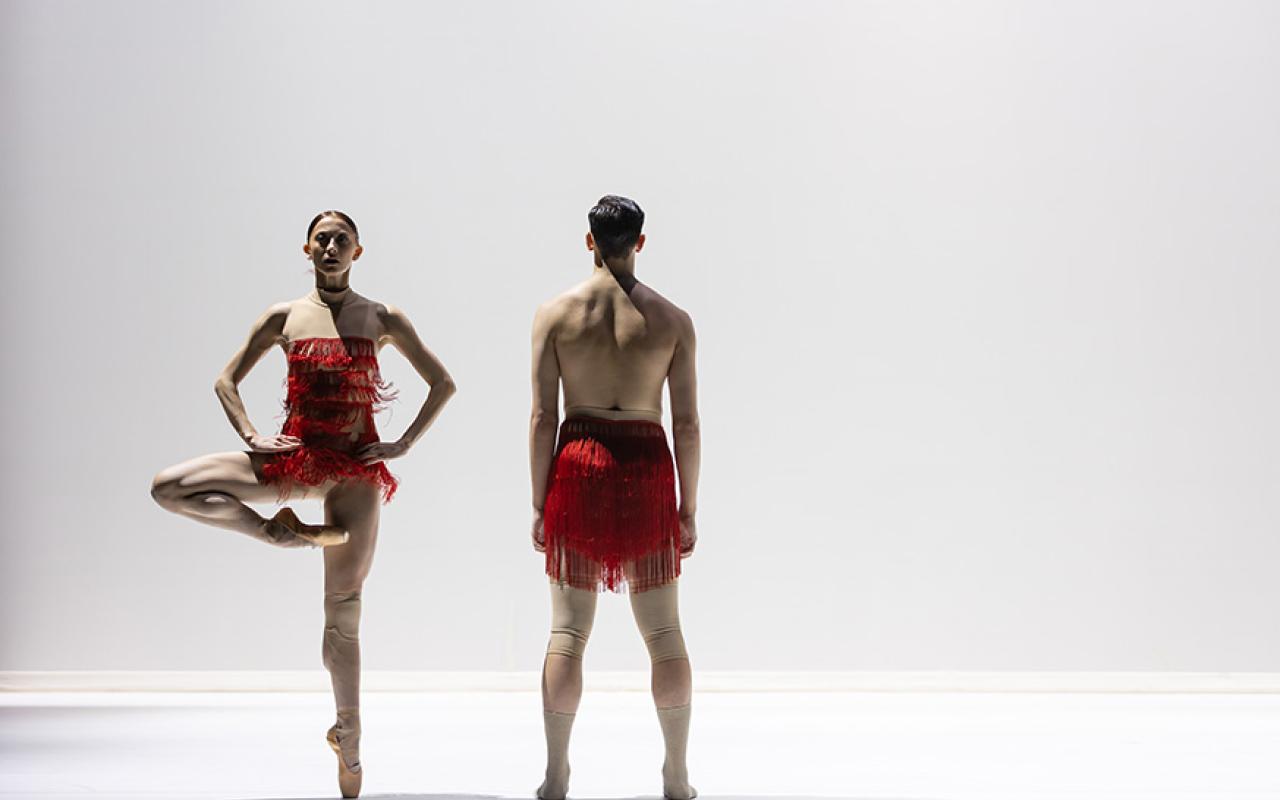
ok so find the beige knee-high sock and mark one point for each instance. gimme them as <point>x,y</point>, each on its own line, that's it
<point>557,727</point>
<point>675,733</point>
<point>341,650</point>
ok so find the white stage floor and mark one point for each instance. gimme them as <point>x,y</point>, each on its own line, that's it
<point>474,745</point>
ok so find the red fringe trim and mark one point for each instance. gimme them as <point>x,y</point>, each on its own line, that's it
<point>312,466</point>
<point>610,516</point>
<point>334,387</point>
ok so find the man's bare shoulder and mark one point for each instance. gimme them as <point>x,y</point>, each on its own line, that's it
<point>652,300</point>
<point>563,304</point>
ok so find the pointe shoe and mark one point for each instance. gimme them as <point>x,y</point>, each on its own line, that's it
<point>314,535</point>
<point>348,781</point>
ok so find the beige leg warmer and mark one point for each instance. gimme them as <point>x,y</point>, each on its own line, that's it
<point>573,612</point>
<point>341,653</point>
<point>657,614</point>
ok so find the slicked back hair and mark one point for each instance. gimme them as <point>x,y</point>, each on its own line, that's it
<point>340,215</point>
<point>615,225</point>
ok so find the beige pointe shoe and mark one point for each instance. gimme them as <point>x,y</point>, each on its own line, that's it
<point>348,781</point>
<point>317,535</point>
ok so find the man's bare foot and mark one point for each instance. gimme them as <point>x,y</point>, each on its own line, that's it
<point>675,784</point>
<point>286,530</point>
<point>554,787</point>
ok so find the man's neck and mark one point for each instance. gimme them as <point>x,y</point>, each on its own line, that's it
<point>623,270</point>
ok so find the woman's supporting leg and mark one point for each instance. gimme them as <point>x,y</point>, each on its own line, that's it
<point>657,616</point>
<point>573,612</point>
<point>354,507</point>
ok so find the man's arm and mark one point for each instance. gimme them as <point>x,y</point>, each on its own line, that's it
<point>682,383</point>
<point>544,418</point>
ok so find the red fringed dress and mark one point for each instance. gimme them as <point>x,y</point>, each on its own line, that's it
<point>610,515</point>
<point>334,389</point>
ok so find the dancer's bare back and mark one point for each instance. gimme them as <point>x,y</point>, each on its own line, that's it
<point>614,349</point>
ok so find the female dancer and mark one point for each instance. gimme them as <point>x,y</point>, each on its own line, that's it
<point>329,449</point>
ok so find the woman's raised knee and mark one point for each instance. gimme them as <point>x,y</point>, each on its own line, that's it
<point>166,489</point>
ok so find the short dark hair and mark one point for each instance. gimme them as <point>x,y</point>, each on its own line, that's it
<point>339,215</point>
<point>615,225</point>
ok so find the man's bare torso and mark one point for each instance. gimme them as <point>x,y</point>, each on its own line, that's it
<point>614,348</point>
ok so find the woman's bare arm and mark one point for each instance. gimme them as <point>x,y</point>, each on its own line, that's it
<point>399,331</point>
<point>267,332</point>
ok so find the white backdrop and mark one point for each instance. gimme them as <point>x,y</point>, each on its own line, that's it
<point>985,295</point>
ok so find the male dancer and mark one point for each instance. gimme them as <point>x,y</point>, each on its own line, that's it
<point>604,506</point>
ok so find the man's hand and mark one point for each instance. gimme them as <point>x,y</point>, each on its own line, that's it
<point>688,536</point>
<point>538,534</point>
<point>380,451</point>
<point>272,444</point>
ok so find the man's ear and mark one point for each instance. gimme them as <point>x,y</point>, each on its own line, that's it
<point>356,253</point>
<point>640,243</point>
<point>591,242</point>
<point>306,248</point>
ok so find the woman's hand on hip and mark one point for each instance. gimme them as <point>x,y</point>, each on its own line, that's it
<point>380,451</point>
<point>273,444</point>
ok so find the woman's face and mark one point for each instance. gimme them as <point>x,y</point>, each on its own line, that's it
<point>332,246</point>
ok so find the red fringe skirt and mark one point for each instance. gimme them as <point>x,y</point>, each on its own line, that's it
<point>312,466</point>
<point>610,516</point>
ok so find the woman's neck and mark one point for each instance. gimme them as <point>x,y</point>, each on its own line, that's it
<point>332,295</point>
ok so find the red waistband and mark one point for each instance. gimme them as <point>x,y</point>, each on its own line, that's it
<point>612,427</point>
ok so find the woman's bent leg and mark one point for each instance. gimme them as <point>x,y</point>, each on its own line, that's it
<point>213,489</point>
